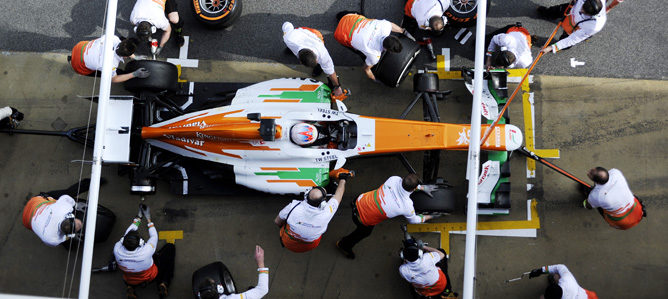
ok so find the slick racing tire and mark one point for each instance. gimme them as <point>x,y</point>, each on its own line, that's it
<point>164,76</point>
<point>216,14</point>
<point>441,202</point>
<point>216,271</point>
<point>104,224</point>
<point>463,13</point>
<point>425,82</point>
<point>392,68</point>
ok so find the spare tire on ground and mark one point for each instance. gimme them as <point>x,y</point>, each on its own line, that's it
<point>392,68</point>
<point>164,76</point>
<point>442,201</point>
<point>463,13</point>
<point>216,14</point>
<point>220,275</point>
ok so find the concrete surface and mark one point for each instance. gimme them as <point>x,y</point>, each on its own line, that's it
<point>609,122</point>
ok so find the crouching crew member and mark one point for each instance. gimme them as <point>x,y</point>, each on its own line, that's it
<point>581,21</point>
<point>302,222</point>
<point>210,289</point>
<point>426,269</point>
<point>389,200</point>
<point>86,58</point>
<point>53,220</point>
<point>149,15</point>
<point>613,199</point>
<point>368,36</point>
<point>309,46</point>
<point>137,260</point>
<point>510,48</point>
<point>428,13</point>
<point>562,283</point>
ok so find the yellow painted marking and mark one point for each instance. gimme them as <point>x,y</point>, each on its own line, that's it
<point>178,68</point>
<point>547,153</point>
<point>446,228</point>
<point>170,235</point>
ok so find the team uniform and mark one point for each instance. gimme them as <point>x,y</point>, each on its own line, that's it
<point>579,26</point>
<point>423,10</point>
<point>257,292</point>
<point>621,209</point>
<point>570,287</point>
<point>363,34</point>
<point>300,38</point>
<point>388,201</point>
<point>152,11</point>
<point>87,56</point>
<point>305,224</point>
<point>43,216</point>
<point>138,265</point>
<point>516,40</point>
<point>424,275</point>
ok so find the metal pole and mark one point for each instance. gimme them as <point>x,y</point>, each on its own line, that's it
<point>94,191</point>
<point>474,155</point>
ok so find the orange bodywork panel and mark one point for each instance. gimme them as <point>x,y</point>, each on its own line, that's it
<point>396,135</point>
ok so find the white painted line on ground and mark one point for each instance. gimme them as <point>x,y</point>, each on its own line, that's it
<point>532,174</point>
<point>446,56</point>
<point>461,31</point>
<point>529,187</point>
<point>526,233</point>
<point>191,88</point>
<point>183,52</point>
<point>466,37</point>
<point>183,60</point>
<point>518,79</point>
<point>529,210</point>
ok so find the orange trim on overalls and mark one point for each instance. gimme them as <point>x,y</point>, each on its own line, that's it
<point>434,289</point>
<point>34,204</point>
<point>523,31</point>
<point>137,278</point>
<point>348,24</point>
<point>626,219</point>
<point>292,242</point>
<point>408,7</point>
<point>77,62</point>
<point>161,3</point>
<point>568,23</point>
<point>316,32</point>
<point>590,294</point>
<point>370,208</point>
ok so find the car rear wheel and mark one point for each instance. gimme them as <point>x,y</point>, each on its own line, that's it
<point>164,76</point>
<point>463,13</point>
<point>442,201</point>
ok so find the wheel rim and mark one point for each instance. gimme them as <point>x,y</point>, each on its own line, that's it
<point>464,6</point>
<point>213,6</point>
<point>404,72</point>
<point>229,283</point>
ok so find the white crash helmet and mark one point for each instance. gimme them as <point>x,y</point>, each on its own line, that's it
<point>303,134</point>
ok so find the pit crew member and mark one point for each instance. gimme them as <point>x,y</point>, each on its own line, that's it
<point>562,283</point>
<point>10,117</point>
<point>509,47</point>
<point>613,199</point>
<point>86,58</point>
<point>309,46</point>
<point>581,21</point>
<point>53,220</point>
<point>426,269</point>
<point>368,36</point>
<point>371,208</point>
<point>428,13</point>
<point>209,289</point>
<point>302,222</point>
<point>137,260</point>
<point>149,15</point>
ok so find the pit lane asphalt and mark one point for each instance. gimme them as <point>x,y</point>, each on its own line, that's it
<point>631,45</point>
<point>619,123</point>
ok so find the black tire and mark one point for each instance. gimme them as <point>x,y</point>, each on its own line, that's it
<point>164,76</point>
<point>216,271</point>
<point>463,13</point>
<point>216,14</point>
<point>443,201</point>
<point>425,82</point>
<point>392,68</point>
<point>104,224</point>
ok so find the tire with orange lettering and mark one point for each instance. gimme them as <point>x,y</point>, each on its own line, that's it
<point>216,14</point>
<point>463,13</point>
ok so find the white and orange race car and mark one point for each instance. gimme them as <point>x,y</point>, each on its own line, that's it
<point>248,136</point>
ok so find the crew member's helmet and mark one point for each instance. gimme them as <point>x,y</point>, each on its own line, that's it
<point>303,134</point>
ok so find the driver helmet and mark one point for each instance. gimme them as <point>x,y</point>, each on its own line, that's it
<point>303,134</point>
